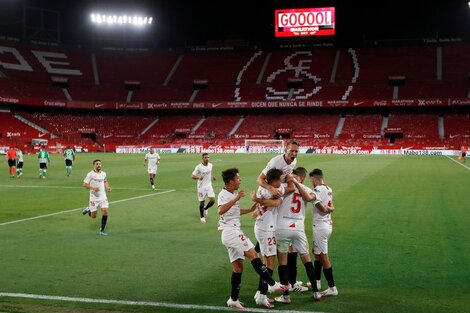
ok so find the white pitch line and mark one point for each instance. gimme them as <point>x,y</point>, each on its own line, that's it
<point>143,303</point>
<point>67,211</point>
<point>68,187</point>
<point>468,168</point>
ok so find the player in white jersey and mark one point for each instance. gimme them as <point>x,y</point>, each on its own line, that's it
<point>203,174</point>
<point>286,163</point>
<point>265,225</point>
<point>322,229</point>
<point>151,160</point>
<point>238,245</point>
<point>97,182</point>
<point>290,232</point>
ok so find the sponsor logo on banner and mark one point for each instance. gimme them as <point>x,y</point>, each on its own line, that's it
<point>424,102</point>
<point>179,105</point>
<point>460,101</point>
<point>201,105</point>
<point>338,103</point>
<point>358,103</point>
<point>59,104</point>
<point>403,102</point>
<point>9,100</point>
<point>151,105</point>
<point>99,105</point>
<point>12,134</point>
<point>380,103</point>
<point>237,104</point>
<point>132,106</point>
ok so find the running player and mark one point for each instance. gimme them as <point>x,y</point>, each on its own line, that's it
<point>44,160</point>
<point>203,174</point>
<point>322,229</point>
<point>11,158</point>
<point>152,159</point>
<point>97,182</point>
<point>69,156</point>
<point>19,162</point>
<point>238,245</point>
<point>286,163</point>
<point>463,153</point>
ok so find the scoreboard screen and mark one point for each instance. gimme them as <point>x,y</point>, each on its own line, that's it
<point>304,22</point>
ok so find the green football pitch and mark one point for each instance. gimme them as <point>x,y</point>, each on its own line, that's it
<point>401,239</point>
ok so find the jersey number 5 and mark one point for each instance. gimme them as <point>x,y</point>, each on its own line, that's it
<point>296,204</point>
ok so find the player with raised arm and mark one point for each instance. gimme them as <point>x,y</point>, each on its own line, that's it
<point>151,160</point>
<point>203,174</point>
<point>19,162</point>
<point>69,157</point>
<point>322,229</point>
<point>285,162</point>
<point>265,227</point>
<point>44,160</point>
<point>97,182</point>
<point>238,245</point>
<point>290,232</point>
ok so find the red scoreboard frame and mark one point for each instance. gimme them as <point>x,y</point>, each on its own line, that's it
<point>304,22</point>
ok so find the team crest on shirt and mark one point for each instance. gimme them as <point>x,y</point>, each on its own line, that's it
<point>317,190</point>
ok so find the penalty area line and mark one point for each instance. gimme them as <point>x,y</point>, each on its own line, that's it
<point>468,168</point>
<point>142,303</point>
<point>77,209</point>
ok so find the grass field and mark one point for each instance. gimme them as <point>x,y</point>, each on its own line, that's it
<point>400,241</point>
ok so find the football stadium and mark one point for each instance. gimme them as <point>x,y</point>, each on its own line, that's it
<point>203,156</point>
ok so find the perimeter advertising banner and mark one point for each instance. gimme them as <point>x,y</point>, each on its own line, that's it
<point>304,22</point>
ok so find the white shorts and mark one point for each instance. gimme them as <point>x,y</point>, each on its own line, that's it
<point>236,243</point>
<point>152,170</point>
<point>94,204</point>
<point>204,192</point>
<point>320,239</point>
<point>291,238</point>
<point>267,242</point>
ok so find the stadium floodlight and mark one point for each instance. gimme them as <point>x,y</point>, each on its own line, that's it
<point>114,19</point>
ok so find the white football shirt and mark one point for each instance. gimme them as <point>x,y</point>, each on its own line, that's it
<point>96,179</point>
<point>206,172</point>
<point>324,195</point>
<point>266,220</point>
<point>231,218</point>
<point>291,214</point>
<point>280,163</point>
<point>152,159</point>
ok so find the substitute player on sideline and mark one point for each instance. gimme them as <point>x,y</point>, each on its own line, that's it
<point>11,159</point>
<point>322,229</point>
<point>44,160</point>
<point>97,182</point>
<point>203,174</point>
<point>69,157</point>
<point>19,162</point>
<point>285,162</point>
<point>238,245</point>
<point>152,159</point>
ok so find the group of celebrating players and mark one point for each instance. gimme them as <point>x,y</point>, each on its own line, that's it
<point>279,207</point>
